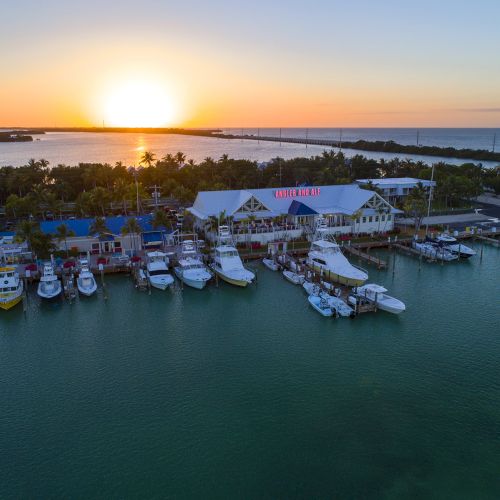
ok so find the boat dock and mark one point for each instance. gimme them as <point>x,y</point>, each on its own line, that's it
<point>487,239</point>
<point>353,250</point>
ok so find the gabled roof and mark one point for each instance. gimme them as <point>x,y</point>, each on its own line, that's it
<point>298,208</point>
<point>81,227</point>
<point>343,198</point>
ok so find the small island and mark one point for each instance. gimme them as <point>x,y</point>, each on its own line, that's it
<point>15,137</point>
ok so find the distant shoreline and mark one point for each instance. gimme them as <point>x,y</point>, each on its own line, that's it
<point>360,145</point>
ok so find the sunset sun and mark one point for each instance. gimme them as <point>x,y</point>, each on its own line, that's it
<point>139,104</point>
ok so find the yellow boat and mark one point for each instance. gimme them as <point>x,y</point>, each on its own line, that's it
<point>11,288</point>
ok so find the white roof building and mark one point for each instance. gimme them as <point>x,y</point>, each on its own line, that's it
<point>397,187</point>
<point>343,199</point>
<point>300,206</point>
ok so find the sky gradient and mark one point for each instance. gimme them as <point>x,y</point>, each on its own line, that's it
<point>254,64</point>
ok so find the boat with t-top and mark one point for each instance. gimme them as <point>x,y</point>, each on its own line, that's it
<point>86,282</point>
<point>190,268</point>
<point>454,246</point>
<point>327,259</point>
<point>227,262</point>
<point>377,295</point>
<point>49,286</point>
<point>11,288</point>
<point>157,270</point>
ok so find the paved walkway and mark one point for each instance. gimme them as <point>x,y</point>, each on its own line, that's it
<point>447,219</point>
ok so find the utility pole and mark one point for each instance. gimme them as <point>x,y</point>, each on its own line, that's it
<point>418,137</point>
<point>156,194</point>
<point>429,202</point>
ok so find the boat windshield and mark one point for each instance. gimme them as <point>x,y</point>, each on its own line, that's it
<point>158,272</point>
<point>228,253</point>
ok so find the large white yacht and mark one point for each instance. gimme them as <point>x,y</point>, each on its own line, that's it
<point>11,288</point>
<point>190,268</point>
<point>227,262</point>
<point>50,286</point>
<point>326,257</point>
<point>157,270</point>
<point>86,282</point>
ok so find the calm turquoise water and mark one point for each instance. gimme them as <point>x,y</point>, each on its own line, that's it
<point>230,393</point>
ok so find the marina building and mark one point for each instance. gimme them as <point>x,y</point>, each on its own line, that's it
<point>112,241</point>
<point>395,189</point>
<point>263,215</point>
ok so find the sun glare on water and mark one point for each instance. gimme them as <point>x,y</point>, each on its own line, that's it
<point>139,104</point>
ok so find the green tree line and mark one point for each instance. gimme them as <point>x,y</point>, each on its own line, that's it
<point>37,188</point>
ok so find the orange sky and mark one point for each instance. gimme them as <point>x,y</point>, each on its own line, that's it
<point>224,65</point>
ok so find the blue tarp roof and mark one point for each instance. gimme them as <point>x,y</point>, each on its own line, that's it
<point>152,237</point>
<point>81,226</point>
<point>298,208</point>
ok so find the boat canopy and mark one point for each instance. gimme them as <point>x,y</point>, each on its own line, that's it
<point>372,287</point>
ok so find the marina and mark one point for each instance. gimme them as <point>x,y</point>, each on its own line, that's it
<point>215,360</point>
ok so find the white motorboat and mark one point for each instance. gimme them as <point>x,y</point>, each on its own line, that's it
<point>227,262</point>
<point>321,305</point>
<point>454,246</point>
<point>190,268</point>
<point>334,302</point>
<point>157,270</point>
<point>271,264</point>
<point>85,281</point>
<point>430,251</point>
<point>296,279</point>
<point>326,258</point>
<point>376,294</point>
<point>49,286</point>
<point>11,288</point>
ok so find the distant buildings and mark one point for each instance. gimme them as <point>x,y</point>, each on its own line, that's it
<point>395,189</point>
<point>263,215</point>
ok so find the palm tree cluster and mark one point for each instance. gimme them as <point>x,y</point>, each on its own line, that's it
<point>96,189</point>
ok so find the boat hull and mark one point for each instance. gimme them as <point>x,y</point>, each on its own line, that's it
<point>331,277</point>
<point>198,284</point>
<point>232,281</point>
<point>9,304</point>
<point>87,292</point>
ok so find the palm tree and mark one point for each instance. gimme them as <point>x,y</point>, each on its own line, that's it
<point>121,193</point>
<point>27,231</point>
<point>147,158</point>
<point>160,219</point>
<point>133,228</point>
<point>98,227</point>
<point>180,158</point>
<point>355,217</point>
<point>63,233</point>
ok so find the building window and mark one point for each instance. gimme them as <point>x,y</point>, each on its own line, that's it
<point>376,218</point>
<point>364,220</point>
<point>389,217</point>
<point>383,218</point>
<point>370,219</point>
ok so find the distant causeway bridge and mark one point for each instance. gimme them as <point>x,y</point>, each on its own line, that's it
<point>293,140</point>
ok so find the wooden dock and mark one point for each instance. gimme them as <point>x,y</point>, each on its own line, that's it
<point>487,239</point>
<point>412,251</point>
<point>381,264</point>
